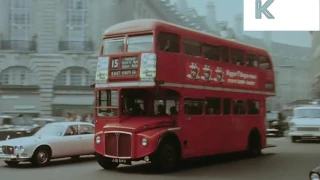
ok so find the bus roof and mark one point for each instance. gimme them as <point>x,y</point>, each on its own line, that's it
<point>141,25</point>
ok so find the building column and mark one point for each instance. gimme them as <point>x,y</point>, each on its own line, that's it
<point>46,97</point>
<point>47,38</point>
<point>4,19</point>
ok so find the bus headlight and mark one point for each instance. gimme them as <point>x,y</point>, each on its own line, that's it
<point>314,176</point>
<point>98,139</point>
<point>144,142</point>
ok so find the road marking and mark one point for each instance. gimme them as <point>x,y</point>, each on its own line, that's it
<point>279,139</point>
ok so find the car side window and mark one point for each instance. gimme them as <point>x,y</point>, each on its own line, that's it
<point>86,129</point>
<point>71,130</point>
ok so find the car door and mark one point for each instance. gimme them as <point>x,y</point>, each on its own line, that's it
<point>86,133</point>
<point>69,144</point>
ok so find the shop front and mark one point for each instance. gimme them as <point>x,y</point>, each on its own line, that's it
<point>20,103</point>
<point>79,104</point>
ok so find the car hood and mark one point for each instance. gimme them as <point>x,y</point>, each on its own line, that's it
<point>139,124</point>
<point>306,121</point>
<point>24,141</point>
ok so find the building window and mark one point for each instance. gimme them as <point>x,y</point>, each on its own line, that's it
<point>18,24</point>
<point>74,76</point>
<point>18,75</point>
<point>76,24</point>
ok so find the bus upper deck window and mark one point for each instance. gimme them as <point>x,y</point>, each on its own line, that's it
<point>211,52</point>
<point>192,47</point>
<point>237,57</point>
<point>252,60</point>
<point>224,54</point>
<point>169,42</point>
<point>140,43</point>
<point>113,45</point>
<point>264,63</point>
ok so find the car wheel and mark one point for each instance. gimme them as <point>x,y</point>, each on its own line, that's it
<point>167,157</point>
<point>105,163</point>
<point>280,134</point>
<point>41,157</point>
<point>12,163</point>
<point>294,139</point>
<point>254,145</point>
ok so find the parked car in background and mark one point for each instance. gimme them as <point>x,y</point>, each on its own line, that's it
<point>54,140</point>
<point>276,123</point>
<point>305,123</point>
<point>41,121</point>
<point>15,127</point>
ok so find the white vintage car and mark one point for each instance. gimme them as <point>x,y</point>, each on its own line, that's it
<point>53,141</point>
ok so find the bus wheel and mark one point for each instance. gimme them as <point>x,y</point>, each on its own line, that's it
<point>167,157</point>
<point>105,162</point>
<point>254,145</point>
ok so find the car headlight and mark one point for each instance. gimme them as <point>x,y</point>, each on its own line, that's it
<point>314,176</point>
<point>292,124</point>
<point>98,139</point>
<point>144,142</point>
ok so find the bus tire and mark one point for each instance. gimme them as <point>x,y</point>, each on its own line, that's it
<point>105,162</point>
<point>167,156</point>
<point>254,144</point>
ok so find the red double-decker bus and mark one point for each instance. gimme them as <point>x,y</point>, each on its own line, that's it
<point>165,93</point>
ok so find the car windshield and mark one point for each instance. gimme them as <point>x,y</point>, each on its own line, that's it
<point>307,113</point>
<point>51,130</point>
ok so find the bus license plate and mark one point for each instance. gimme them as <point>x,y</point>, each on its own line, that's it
<point>122,161</point>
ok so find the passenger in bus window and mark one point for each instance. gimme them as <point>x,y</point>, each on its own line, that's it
<point>173,110</point>
<point>255,63</point>
<point>239,108</point>
<point>167,46</point>
<point>161,110</point>
<point>252,61</point>
<point>121,48</point>
<point>252,107</point>
<point>137,110</point>
<point>210,111</point>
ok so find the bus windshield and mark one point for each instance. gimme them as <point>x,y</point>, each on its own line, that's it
<point>107,103</point>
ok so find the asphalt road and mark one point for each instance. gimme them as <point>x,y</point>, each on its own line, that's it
<point>287,161</point>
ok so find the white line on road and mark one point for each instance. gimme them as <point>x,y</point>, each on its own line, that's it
<point>279,139</point>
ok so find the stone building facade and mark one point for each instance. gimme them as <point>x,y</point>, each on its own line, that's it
<point>49,48</point>
<point>315,64</point>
